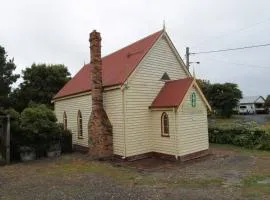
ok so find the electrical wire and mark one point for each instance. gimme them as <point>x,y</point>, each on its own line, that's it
<point>234,31</point>
<point>240,64</point>
<point>231,49</point>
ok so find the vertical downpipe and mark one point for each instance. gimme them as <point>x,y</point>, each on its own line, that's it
<point>124,119</point>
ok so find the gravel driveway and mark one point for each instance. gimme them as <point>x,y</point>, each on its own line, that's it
<point>228,173</point>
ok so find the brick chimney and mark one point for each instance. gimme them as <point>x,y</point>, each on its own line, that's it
<point>100,128</point>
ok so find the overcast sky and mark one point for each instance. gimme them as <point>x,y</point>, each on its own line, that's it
<point>47,31</point>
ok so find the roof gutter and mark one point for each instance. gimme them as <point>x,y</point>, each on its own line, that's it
<point>85,93</point>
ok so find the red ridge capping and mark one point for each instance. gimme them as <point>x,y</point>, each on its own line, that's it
<point>172,93</point>
<point>116,67</point>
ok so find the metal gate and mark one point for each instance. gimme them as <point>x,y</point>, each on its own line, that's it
<point>4,139</point>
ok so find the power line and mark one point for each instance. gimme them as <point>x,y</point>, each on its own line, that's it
<point>231,49</point>
<point>240,64</point>
<point>234,31</point>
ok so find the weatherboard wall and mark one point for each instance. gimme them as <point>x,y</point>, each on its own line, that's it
<point>142,134</point>
<point>161,144</point>
<point>113,107</point>
<point>192,125</point>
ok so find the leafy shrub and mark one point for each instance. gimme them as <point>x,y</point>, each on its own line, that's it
<point>244,135</point>
<point>66,139</point>
<point>267,127</point>
<point>36,128</point>
<point>39,128</point>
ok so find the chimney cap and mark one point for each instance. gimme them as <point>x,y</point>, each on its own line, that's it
<point>94,35</point>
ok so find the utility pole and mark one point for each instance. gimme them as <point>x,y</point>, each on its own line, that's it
<point>187,58</point>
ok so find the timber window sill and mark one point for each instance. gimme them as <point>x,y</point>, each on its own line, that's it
<point>80,137</point>
<point>165,135</point>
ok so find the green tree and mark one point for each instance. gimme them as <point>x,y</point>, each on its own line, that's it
<point>204,86</point>
<point>7,77</point>
<point>40,83</point>
<point>224,97</point>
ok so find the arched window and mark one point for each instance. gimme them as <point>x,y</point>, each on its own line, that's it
<point>164,125</point>
<point>193,99</point>
<point>80,126</point>
<point>65,120</point>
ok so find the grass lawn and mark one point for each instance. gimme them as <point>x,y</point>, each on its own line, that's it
<point>240,150</point>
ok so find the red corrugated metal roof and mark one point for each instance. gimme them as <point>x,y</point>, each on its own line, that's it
<point>116,67</point>
<point>172,93</point>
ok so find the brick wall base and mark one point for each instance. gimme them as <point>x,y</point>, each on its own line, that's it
<point>194,155</point>
<point>164,156</point>
<point>184,158</point>
<point>80,148</point>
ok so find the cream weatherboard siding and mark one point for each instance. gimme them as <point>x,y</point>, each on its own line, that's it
<point>71,106</point>
<point>113,107</point>
<point>192,126</point>
<point>166,145</point>
<point>143,87</point>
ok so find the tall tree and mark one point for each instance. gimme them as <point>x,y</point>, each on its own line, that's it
<point>7,77</point>
<point>204,85</point>
<point>224,98</point>
<point>40,83</point>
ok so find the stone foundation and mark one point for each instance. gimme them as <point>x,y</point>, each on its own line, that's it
<point>194,155</point>
<point>79,148</point>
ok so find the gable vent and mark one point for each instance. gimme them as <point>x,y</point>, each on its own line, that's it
<point>165,77</point>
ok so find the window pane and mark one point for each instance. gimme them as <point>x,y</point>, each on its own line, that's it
<point>193,99</point>
<point>80,127</point>
<point>164,124</point>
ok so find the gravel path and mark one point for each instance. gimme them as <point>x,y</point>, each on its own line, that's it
<point>82,186</point>
<point>75,176</point>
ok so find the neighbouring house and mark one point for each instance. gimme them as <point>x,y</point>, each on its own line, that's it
<point>251,105</point>
<point>138,101</point>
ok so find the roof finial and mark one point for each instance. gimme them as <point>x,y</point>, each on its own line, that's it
<point>164,25</point>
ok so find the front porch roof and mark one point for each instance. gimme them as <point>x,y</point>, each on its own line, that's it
<point>172,93</point>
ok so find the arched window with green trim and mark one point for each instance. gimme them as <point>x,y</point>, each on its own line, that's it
<point>193,99</point>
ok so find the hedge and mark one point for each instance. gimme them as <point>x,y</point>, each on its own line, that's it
<point>240,136</point>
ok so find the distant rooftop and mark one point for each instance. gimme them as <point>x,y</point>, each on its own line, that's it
<point>252,99</point>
